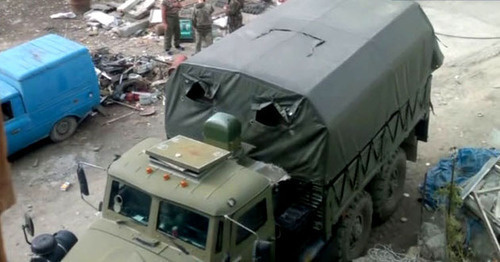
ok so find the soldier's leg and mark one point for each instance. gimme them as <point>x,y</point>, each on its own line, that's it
<point>168,34</point>
<point>199,39</point>
<point>177,33</point>
<point>230,24</point>
<point>209,38</point>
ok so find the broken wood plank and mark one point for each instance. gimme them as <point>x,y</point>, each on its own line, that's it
<point>142,10</point>
<point>117,118</point>
<point>128,5</point>
<point>128,30</point>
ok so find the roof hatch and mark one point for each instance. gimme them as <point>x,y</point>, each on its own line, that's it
<point>187,155</point>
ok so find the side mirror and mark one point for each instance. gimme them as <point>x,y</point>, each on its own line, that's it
<point>82,180</point>
<point>84,187</point>
<point>28,227</point>
<point>262,251</point>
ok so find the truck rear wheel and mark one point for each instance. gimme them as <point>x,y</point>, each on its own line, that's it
<point>387,187</point>
<point>353,229</point>
<point>63,129</point>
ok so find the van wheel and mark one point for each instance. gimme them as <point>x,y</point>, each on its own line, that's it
<point>63,129</point>
<point>353,229</point>
<point>387,187</point>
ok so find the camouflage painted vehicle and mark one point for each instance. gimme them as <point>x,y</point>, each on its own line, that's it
<point>282,150</point>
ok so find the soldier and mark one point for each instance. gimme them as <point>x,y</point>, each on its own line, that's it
<point>202,23</point>
<point>170,17</point>
<point>234,16</point>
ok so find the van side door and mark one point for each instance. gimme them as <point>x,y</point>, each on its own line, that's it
<point>17,124</point>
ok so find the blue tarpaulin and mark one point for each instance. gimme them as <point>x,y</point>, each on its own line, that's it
<point>468,161</point>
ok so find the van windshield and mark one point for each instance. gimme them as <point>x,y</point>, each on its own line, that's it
<point>183,224</point>
<point>130,202</point>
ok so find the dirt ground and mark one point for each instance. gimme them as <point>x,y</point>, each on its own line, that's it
<point>465,94</point>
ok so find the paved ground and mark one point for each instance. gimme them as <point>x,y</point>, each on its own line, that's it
<point>465,94</point>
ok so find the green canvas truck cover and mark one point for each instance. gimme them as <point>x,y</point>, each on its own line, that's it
<point>311,81</point>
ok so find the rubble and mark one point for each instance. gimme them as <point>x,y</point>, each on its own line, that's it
<point>104,7</point>
<point>141,10</point>
<point>134,17</point>
<point>133,81</point>
<point>155,16</point>
<point>475,173</point>
<point>102,18</point>
<point>433,244</point>
<point>126,19</point>
<point>68,15</point>
<point>132,28</point>
<point>129,4</point>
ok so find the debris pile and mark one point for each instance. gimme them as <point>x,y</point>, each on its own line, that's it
<point>466,163</point>
<point>481,196</point>
<point>474,176</point>
<point>135,17</point>
<point>131,79</point>
<point>130,18</point>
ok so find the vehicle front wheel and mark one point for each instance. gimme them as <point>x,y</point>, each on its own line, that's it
<point>63,129</point>
<point>353,229</point>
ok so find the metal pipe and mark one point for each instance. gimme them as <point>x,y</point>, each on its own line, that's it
<point>452,184</point>
<point>487,222</point>
<point>479,176</point>
<point>488,190</point>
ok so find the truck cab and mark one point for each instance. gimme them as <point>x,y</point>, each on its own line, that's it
<point>176,200</point>
<point>47,86</point>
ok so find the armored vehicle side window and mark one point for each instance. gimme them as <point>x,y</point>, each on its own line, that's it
<point>254,218</point>
<point>183,224</point>
<point>130,202</point>
<point>7,111</point>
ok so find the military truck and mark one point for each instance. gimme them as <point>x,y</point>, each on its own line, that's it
<point>337,94</point>
<point>284,140</point>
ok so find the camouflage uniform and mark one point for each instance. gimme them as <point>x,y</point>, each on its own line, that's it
<point>234,16</point>
<point>202,23</point>
<point>173,26</point>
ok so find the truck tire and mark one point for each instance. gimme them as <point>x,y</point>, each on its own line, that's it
<point>353,229</point>
<point>387,187</point>
<point>63,129</point>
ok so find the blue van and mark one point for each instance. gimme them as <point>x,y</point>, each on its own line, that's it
<point>47,86</point>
